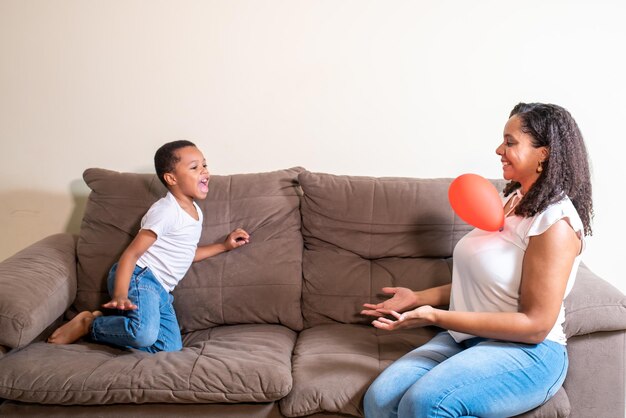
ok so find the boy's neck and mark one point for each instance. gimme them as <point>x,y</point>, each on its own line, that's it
<point>186,203</point>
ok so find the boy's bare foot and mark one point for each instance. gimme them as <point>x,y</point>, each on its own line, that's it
<point>78,327</point>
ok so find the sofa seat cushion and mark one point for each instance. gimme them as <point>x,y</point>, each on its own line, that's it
<point>241,363</point>
<point>334,364</point>
<point>13,409</point>
<point>557,406</point>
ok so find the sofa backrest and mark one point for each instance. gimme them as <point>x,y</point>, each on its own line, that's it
<point>258,283</point>
<point>363,233</point>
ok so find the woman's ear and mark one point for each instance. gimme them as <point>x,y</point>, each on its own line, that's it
<point>545,153</point>
<point>170,179</point>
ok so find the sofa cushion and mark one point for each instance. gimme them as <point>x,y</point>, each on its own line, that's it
<point>241,363</point>
<point>13,409</point>
<point>557,406</point>
<point>593,305</point>
<point>365,233</point>
<point>334,364</point>
<point>46,272</point>
<point>258,283</point>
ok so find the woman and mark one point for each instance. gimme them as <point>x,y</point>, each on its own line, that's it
<point>504,349</point>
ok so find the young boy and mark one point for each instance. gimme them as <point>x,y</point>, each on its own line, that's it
<point>155,261</point>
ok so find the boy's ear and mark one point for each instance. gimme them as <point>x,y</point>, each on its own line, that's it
<point>170,179</point>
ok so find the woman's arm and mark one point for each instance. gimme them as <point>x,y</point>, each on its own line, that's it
<point>546,268</point>
<point>404,299</point>
<point>435,296</point>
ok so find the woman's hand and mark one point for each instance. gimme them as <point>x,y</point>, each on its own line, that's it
<point>420,317</point>
<point>402,300</point>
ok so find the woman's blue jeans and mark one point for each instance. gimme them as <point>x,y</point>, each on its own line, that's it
<point>475,378</point>
<point>151,327</point>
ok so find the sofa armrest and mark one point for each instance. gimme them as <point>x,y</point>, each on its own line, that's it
<point>595,382</point>
<point>38,284</point>
<point>593,305</point>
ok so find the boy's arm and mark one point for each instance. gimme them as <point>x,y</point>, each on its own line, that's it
<point>125,267</point>
<point>235,239</point>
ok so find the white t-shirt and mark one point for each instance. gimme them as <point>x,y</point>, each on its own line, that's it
<point>487,268</point>
<point>178,235</point>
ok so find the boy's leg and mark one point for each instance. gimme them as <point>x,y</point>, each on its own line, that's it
<point>151,327</point>
<point>169,338</point>
<point>76,328</point>
<point>136,328</point>
<point>490,379</point>
<point>384,395</point>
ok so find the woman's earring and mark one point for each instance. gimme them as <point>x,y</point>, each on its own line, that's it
<point>539,167</point>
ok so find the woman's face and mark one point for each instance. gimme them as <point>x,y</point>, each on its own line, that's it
<point>518,156</point>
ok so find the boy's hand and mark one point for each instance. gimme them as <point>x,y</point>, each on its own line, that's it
<point>236,239</point>
<point>121,303</point>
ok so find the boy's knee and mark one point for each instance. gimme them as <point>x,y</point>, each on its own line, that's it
<point>173,346</point>
<point>146,337</point>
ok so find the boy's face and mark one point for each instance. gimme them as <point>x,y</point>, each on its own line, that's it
<point>190,177</point>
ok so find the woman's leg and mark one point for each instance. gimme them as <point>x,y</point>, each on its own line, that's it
<point>384,395</point>
<point>490,379</point>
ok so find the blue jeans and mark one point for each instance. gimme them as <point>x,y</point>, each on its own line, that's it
<point>475,378</point>
<point>151,327</point>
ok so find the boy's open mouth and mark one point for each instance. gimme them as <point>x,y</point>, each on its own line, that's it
<point>204,185</point>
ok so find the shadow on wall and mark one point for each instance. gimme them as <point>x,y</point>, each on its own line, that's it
<point>80,193</point>
<point>26,216</point>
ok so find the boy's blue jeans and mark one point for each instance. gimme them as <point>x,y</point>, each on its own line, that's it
<point>151,327</point>
<point>475,378</point>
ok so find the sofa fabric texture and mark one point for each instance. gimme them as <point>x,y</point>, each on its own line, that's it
<point>50,284</point>
<point>272,329</point>
<point>333,365</point>
<point>265,204</point>
<point>363,233</point>
<point>239,363</point>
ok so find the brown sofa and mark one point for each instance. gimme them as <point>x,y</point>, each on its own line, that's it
<point>272,329</point>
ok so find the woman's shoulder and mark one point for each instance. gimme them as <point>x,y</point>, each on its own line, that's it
<point>561,210</point>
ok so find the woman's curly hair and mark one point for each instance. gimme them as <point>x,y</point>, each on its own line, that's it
<point>565,171</point>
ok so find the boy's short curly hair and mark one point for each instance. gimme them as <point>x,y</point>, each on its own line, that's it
<point>166,157</point>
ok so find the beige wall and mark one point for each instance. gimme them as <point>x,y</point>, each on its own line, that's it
<point>383,88</point>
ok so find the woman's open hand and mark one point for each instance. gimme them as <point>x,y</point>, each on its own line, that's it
<point>402,300</point>
<point>419,317</point>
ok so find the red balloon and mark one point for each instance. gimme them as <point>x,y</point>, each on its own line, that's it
<point>477,202</point>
